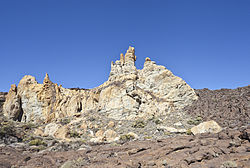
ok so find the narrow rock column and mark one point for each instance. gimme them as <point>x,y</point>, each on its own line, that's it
<point>130,55</point>
<point>122,60</point>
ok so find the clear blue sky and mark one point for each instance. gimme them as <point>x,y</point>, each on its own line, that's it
<point>206,42</point>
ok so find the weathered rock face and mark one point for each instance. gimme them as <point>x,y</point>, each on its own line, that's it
<point>2,100</point>
<point>13,104</point>
<point>128,94</point>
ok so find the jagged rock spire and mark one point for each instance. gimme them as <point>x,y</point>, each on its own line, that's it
<point>147,59</point>
<point>126,64</point>
<point>122,58</point>
<point>13,88</point>
<point>130,55</point>
<point>47,80</point>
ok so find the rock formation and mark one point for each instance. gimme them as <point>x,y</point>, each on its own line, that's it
<point>13,104</point>
<point>128,94</point>
<point>2,100</point>
<point>137,118</point>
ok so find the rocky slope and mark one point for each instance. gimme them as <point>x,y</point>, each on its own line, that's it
<point>227,149</point>
<point>228,107</point>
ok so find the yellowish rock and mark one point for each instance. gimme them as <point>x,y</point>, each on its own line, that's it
<point>111,124</point>
<point>122,58</point>
<point>128,94</point>
<point>147,59</point>
<point>38,132</point>
<point>51,129</point>
<point>110,135</point>
<point>62,132</point>
<point>206,127</point>
<point>84,126</point>
<point>99,133</point>
<point>134,135</point>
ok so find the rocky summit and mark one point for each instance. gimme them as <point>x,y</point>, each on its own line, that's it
<point>138,118</point>
<point>127,95</point>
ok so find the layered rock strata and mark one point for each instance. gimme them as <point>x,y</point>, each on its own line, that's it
<point>128,94</point>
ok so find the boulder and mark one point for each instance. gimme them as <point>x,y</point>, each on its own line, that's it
<point>206,127</point>
<point>110,135</point>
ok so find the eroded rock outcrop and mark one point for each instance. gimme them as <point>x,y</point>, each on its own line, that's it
<point>12,106</point>
<point>128,94</point>
<point>2,100</point>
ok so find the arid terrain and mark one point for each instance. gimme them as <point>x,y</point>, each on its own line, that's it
<point>229,148</point>
<point>137,118</point>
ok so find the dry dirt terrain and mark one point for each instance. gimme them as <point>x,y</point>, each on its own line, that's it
<point>226,149</point>
<point>229,148</point>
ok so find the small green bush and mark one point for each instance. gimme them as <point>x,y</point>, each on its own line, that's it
<point>195,121</point>
<point>74,134</point>
<point>6,129</point>
<point>126,137</point>
<point>29,125</point>
<point>157,121</point>
<point>189,132</point>
<point>148,137</point>
<point>37,142</point>
<point>65,121</point>
<point>139,124</point>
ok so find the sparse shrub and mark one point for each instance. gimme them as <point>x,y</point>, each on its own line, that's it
<point>37,142</point>
<point>29,125</point>
<point>126,137</point>
<point>157,121</point>
<point>65,121</point>
<point>189,132</point>
<point>148,137</point>
<point>139,124</point>
<point>195,121</point>
<point>92,119</point>
<point>6,129</point>
<point>27,138</point>
<point>74,134</point>
<point>167,133</point>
